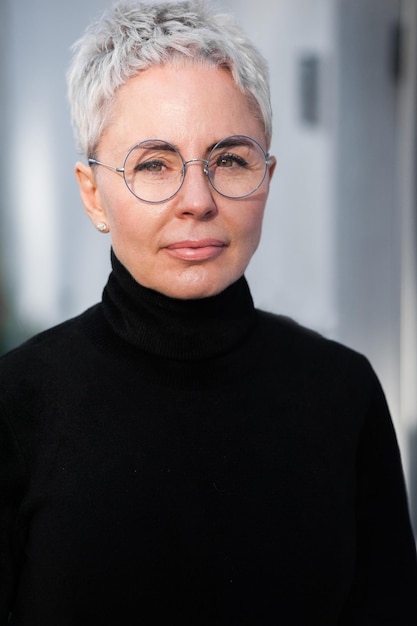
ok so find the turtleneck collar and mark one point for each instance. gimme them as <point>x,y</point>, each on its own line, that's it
<point>172,328</point>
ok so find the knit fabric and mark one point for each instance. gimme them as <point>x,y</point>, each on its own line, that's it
<point>198,463</point>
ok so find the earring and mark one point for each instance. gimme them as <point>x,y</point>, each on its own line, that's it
<point>102,227</point>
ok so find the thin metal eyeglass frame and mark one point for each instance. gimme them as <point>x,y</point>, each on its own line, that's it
<point>122,170</point>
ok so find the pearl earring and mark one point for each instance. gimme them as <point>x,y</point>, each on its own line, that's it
<point>102,227</point>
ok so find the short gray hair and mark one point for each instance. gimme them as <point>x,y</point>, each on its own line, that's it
<point>133,36</point>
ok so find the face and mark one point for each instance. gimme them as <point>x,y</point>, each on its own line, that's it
<point>197,243</point>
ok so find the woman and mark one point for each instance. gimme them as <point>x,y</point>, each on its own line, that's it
<point>174,455</point>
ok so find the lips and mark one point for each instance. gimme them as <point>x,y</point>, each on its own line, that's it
<point>199,250</point>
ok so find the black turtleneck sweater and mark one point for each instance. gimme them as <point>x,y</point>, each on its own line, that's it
<point>198,463</point>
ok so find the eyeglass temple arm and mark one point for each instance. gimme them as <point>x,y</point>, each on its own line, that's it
<point>119,170</point>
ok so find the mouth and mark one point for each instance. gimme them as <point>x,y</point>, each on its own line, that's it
<point>199,250</point>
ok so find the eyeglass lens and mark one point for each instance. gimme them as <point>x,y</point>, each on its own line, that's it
<point>154,170</point>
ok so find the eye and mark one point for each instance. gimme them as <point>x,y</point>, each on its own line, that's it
<point>150,166</point>
<point>229,160</point>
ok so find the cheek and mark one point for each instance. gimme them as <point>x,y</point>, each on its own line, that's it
<point>124,223</point>
<point>127,217</point>
<point>251,227</point>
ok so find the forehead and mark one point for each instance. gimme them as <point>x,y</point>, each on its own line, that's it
<point>181,103</point>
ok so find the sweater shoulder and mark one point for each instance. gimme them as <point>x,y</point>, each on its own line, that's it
<point>50,346</point>
<point>310,349</point>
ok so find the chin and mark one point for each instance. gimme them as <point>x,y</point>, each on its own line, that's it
<point>191,285</point>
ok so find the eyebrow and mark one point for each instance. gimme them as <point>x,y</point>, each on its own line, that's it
<point>231,142</point>
<point>156,144</point>
<point>164,145</point>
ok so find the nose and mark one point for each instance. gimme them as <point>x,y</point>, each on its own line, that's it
<point>195,198</point>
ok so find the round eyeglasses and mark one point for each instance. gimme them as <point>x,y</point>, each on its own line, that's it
<point>154,170</point>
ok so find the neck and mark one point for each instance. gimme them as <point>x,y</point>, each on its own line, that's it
<point>177,329</point>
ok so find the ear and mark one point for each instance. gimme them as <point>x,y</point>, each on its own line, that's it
<point>90,194</point>
<point>272,165</point>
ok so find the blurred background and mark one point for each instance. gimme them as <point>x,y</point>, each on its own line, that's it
<point>339,250</point>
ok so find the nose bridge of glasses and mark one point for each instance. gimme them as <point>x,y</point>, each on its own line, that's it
<point>191,161</point>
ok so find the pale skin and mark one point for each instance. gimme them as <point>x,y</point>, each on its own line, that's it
<point>197,243</point>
